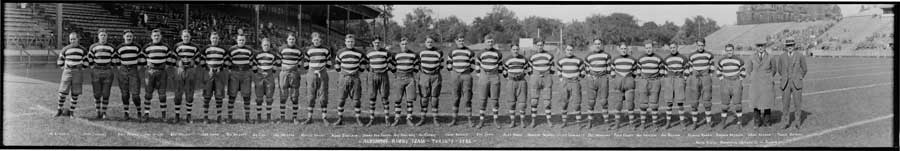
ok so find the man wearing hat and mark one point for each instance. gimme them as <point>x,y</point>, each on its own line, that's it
<point>762,84</point>
<point>792,68</point>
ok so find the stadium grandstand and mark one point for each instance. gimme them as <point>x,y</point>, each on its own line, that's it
<point>31,27</point>
<point>867,33</point>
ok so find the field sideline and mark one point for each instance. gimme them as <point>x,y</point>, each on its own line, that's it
<point>848,102</point>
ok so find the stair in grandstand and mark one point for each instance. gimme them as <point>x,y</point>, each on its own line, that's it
<point>25,39</point>
<point>746,36</point>
<point>20,22</point>
<point>91,17</point>
<point>852,30</point>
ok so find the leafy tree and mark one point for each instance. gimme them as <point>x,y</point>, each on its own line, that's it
<point>500,21</point>
<point>449,27</point>
<point>540,27</point>
<point>418,24</point>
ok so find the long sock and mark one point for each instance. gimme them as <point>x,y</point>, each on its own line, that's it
<point>147,105</point>
<point>177,110</point>
<point>259,107</point>
<point>295,107</point>
<point>694,116</point>
<point>630,116</point>
<point>616,119</point>
<point>495,112</point>
<point>547,113</point>
<point>668,116</point>
<point>356,111</point>
<point>219,104</point>
<point>522,115</point>
<point>708,116</point>
<point>105,104</point>
<point>409,109</point>
<point>97,104</point>
<point>205,107</point>
<point>605,118</point>
<point>62,101</point>
<point>387,108</point>
<point>397,110</point>
<point>74,103</point>
<point>340,111</point>
<point>137,104</point>
<point>481,114</point>
<point>231,103</point>
<point>188,108</point>
<point>724,116</point>
<point>643,117</point>
<point>283,107</point>
<point>125,106</point>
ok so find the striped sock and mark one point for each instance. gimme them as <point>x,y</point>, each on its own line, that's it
<point>189,108</point>
<point>97,104</point>
<point>283,108</point>
<point>205,106</point>
<point>74,103</point>
<point>105,102</point>
<point>177,109</point>
<point>231,102</point>
<point>296,108</point>
<point>62,101</point>
<point>147,105</point>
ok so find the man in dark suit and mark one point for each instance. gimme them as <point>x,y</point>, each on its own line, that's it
<point>792,68</point>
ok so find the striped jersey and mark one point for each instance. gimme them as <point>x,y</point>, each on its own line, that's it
<point>158,54</point>
<point>676,63</point>
<point>649,65</point>
<point>350,60</point>
<point>489,60</point>
<point>541,61</point>
<point>430,60</point>
<point>266,61</point>
<point>241,57</point>
<point>72,56</point>
<point>187,54</point>
<point>597,63</point>
<point>214,56</point>
<point>101,55</point>
<point>291,57</point>
<point>570,67</point>
<point>378,60</point>
<point>405,61</point>
<point>731,67</point>
<point>623,65</point>
<point>461,59</point>
<point>515,66</point>
<point>129,54</point>
<point>318,57</point>
<point>700,61</point>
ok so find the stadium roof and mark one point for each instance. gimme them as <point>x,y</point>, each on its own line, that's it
<point>337,12</point>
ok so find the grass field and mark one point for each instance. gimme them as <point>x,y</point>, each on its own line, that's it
<point>848,101</point>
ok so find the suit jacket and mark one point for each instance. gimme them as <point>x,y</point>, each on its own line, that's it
<point>792,69</point>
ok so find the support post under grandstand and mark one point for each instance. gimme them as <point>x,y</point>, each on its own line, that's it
<point>59,21</point>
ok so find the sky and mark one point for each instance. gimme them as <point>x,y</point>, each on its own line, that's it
<point>723,14</point>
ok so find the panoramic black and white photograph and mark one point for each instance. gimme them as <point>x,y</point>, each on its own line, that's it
<point>343,75</point>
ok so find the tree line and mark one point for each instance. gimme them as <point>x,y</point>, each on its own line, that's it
<point>507,28</point>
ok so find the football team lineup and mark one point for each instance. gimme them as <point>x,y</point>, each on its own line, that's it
<point>827,81</point>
